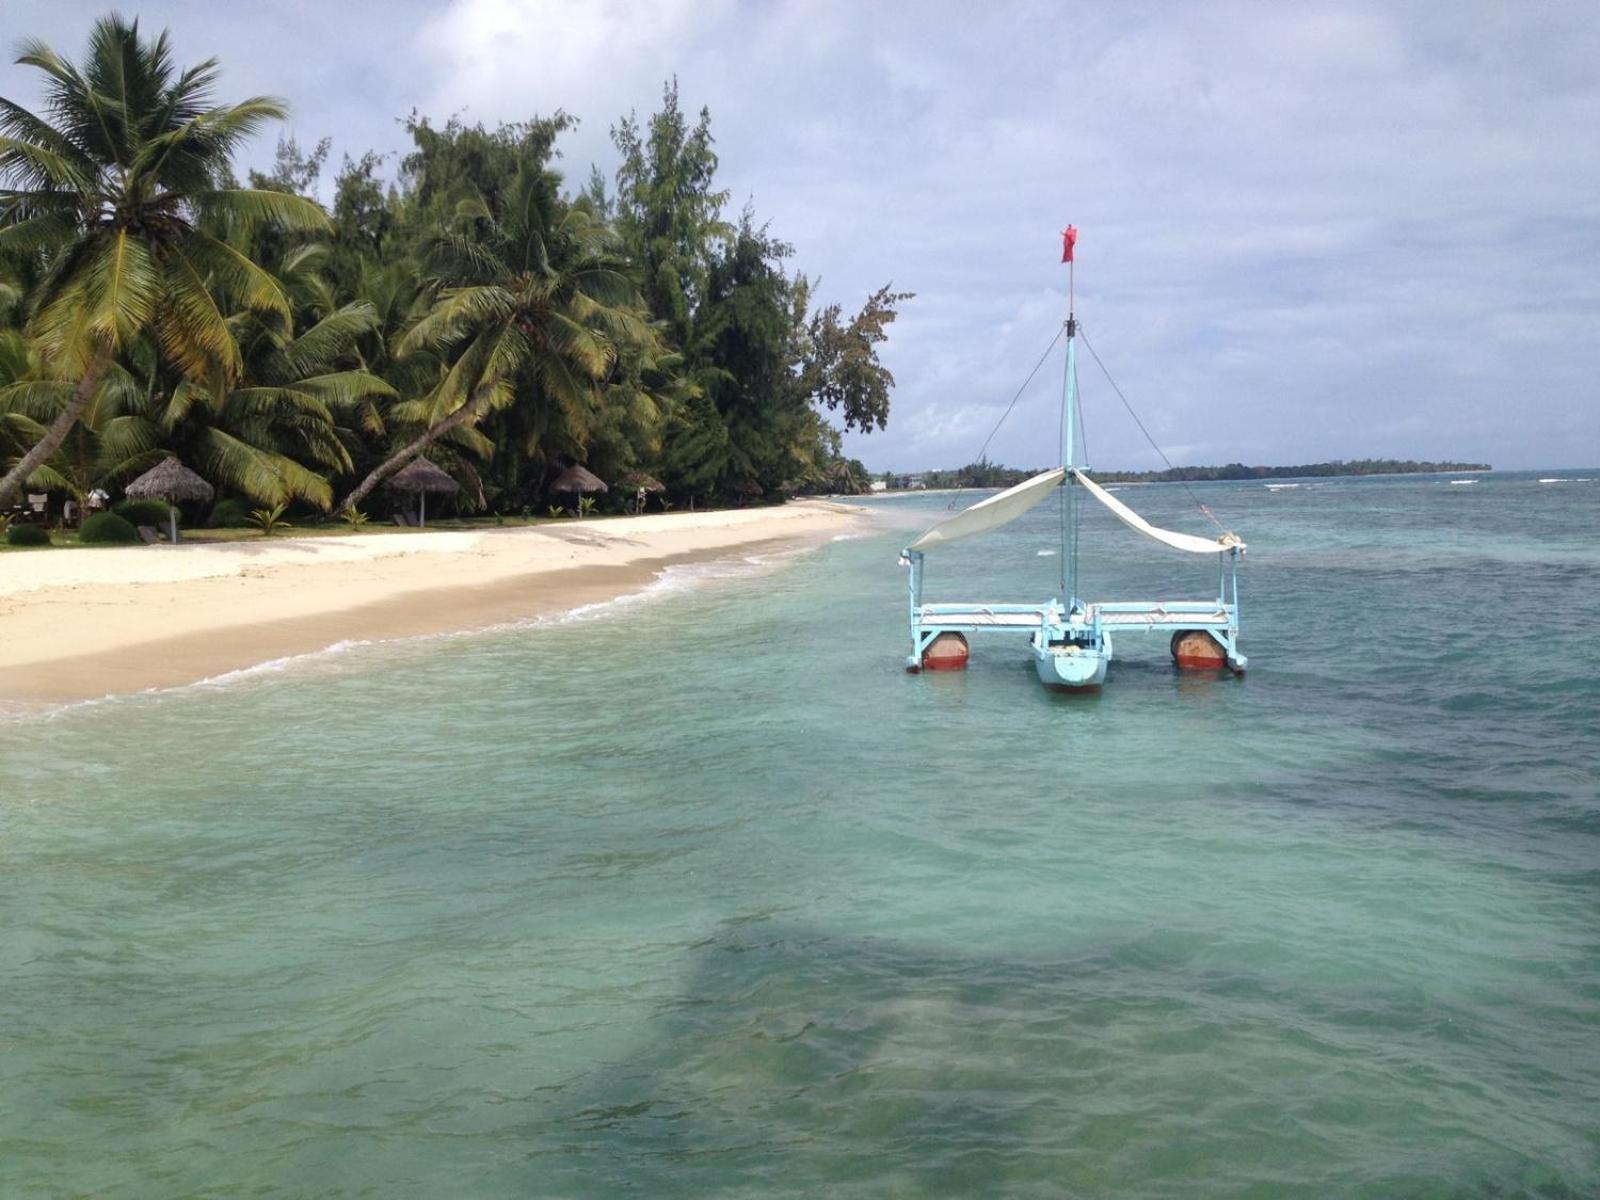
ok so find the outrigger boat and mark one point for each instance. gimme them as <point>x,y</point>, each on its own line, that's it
<point>1071,638</point>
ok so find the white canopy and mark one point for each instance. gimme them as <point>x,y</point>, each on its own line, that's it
<point>1178,541</point>
<point>992,513</point>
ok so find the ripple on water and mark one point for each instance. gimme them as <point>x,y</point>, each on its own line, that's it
<point>706,896</point>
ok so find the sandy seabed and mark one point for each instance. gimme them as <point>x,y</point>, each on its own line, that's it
<point>81,624</point>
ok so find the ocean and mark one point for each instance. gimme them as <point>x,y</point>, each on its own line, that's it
<point>700,894</point>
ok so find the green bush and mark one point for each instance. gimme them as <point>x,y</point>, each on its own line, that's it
<point>27,535</point>
<point>232,513</point>
<point>107,529</point>
<point>143,512</point>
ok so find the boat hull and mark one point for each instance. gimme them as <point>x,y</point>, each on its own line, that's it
<point>1071,668</point>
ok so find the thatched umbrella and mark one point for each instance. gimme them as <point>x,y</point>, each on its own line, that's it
<point>638,481</point>
<point>576,481</point>
<point>171,481</point>
<point>641,485</point>
<point>421,477</point>
<point>747,489</point>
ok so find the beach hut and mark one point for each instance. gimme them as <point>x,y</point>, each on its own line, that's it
<point>171,481</point>
<point>642,485</point>
<point>575,481</point>
<point>420,476</point>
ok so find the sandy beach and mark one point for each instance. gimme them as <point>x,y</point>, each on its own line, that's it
<point>81,624</point>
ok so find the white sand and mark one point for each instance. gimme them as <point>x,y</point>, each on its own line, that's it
<point>78,624</point>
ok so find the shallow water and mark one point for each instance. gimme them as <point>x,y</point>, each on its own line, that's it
<point>701,894</point>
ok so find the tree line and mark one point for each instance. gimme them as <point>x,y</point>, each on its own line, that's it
<point>985,474</point>
<point>471,306</point>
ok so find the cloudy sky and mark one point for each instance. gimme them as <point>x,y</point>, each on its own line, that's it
<point>1308,230</point>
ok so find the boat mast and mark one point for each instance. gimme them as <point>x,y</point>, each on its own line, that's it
<point>1069,545</point>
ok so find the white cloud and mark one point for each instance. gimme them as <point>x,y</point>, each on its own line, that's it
<point>1310,230</point>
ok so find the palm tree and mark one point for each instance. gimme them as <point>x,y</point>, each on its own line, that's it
<point>290,408</point>
<point>119,196</point>
<point>539,304</point>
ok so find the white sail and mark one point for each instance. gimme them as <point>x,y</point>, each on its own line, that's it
<point>1178,541</point>
<point>994,512</point>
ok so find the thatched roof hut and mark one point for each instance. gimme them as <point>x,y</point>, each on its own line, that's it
<point>171,481</point>
<point>419,476</point>
<point>638,481</point>
<point>747,490</point>
<point>577,480</point>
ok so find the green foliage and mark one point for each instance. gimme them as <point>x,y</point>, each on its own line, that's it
<point>269,520</point>
<point>102,529</point>
<point>984,474</point>
<point>232,513</point>
<point>844,371</point>
<point>28,535</point>
<point>353,517</point>
<point>293,170</point>
<point>465,302</point>
<point>555,511</point>
<point>586,505</point>
<point>118,191</point>
<point>143,512</point>
<point>1363,466</point>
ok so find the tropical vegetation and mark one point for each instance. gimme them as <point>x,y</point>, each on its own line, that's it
<point>298,344</point>
<point>985,474</point>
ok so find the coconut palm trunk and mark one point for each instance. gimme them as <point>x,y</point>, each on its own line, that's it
<point>30,462</point>
<point>467,412</point>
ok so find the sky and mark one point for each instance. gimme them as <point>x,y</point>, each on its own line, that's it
<point>1307,231</point>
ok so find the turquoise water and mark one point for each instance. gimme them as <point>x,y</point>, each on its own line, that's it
<point>701,894</point>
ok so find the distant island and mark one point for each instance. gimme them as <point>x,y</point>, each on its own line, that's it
<point>983,474</point>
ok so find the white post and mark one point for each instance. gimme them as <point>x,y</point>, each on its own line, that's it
<point>422,510</point>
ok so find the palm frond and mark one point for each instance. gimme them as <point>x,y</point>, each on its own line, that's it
<point>192,330</point>
<point>249,207</point>
<point>185,399</point>
<point>263,475</point>
<point>248,284</point>
<point>255,402</point>
<point>36,399</point>
<point>118,289</point>
<point>346,389</point>
<point>39,167</point>
<point>36,235</point>
<point>319,347</point>
<point>453,314</point>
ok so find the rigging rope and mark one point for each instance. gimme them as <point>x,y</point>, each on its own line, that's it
<point>1209,514</point>
<point>984,449</point>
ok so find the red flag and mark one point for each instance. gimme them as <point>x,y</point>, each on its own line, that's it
<point>1069,239</point>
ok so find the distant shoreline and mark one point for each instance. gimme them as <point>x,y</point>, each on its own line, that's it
<point>982,475</point>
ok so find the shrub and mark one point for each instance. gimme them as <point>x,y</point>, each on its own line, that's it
<point>27,535</point>
<point>107,529</point>
<point>269,519</point>
<point>232,513</point>
<point>143,512</point>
